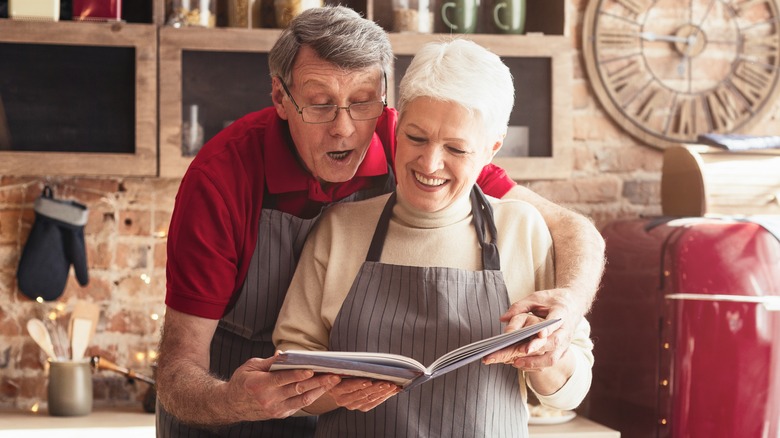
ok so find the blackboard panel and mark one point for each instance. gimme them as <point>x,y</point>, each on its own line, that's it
<point>60,98</point>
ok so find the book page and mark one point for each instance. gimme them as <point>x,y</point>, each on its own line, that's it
<point>477,350</point>
<point>381,366</point>
<point>401,370</point>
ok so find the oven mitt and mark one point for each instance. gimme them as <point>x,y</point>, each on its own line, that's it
<point>56,241</point>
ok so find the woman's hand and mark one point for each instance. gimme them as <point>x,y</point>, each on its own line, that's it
<point>362,394</point>
<point>547,348</point>
<point>523,351</point>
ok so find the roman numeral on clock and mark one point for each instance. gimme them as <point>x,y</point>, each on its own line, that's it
<point>620,80</point>
<point>723,108</point>
<point>753,81</point>
<point>617,40</point>
<point>763,47</point>
<point>683,117</point>
<point>635,6</point>
<point>747,4</point>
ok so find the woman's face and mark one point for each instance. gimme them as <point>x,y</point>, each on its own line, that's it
<point>441,152</point>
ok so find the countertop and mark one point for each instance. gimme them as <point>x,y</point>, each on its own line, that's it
<point>127,423</point>
<point>102,422</point>
<point>579,427</point>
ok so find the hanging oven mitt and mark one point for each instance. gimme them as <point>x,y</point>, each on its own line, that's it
<point>56,241</point>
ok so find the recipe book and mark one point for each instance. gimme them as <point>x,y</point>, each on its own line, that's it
<point>401,370</point>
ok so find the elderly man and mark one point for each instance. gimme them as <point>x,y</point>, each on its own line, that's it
<point>247,203</point>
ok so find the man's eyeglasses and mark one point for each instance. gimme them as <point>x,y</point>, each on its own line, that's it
<point>327,113</point>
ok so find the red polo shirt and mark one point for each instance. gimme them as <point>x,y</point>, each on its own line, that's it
<point>246,166</point>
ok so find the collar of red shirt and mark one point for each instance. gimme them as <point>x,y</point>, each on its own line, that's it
<point>285,174</point>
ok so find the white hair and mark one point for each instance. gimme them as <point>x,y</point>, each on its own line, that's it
<point>465,73</point>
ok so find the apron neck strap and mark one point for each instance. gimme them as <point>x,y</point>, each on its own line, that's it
<point>482,212</point>
<point>378,241</point>
<point>483,216</point>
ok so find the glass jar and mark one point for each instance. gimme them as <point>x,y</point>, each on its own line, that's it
<point>202,13</point>
<point>238,13</point>
<point>286,10</point>
<point>191,131</point>
<point>412,16</point>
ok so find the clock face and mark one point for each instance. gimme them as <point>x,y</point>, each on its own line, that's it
<point>669,70</point>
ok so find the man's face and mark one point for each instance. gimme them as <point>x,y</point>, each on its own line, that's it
<point>331,151</point>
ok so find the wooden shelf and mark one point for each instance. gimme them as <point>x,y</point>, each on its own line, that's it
<point>140,41</point>
<point>174,46</point>
<point>224,71</point>
<point>544,114</point>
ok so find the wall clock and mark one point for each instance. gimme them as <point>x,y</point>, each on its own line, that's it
<point>669,70</point>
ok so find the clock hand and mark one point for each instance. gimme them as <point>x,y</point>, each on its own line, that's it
<point>691,40</point>
<point>683,62</point>
<point>649,36</point>
<point>686,55</point>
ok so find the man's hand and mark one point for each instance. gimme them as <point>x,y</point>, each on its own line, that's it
<point>187,389</point>
<point>546,349</point>
<point>264,395</point>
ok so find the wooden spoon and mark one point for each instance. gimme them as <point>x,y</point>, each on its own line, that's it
<point>41,336</point>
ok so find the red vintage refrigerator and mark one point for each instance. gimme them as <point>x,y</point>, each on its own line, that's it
<point>686,329</point>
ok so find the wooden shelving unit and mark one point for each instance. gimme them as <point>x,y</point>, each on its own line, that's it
<point>224,71</point>
<point>107,119</point>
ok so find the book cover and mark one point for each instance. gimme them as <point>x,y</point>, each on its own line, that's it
<point>401,370</point>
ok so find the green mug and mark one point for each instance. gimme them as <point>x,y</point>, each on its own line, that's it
<point>465,15</point>
<point>509,16</point>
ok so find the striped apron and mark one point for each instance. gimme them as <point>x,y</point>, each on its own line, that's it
<point>246,329</point>
<point>423,313</point>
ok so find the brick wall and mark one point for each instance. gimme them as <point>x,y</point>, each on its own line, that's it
<point>613,177</point>
<point>125,239</point>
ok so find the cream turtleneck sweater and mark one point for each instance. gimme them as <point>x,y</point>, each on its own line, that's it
<point>337,247</point>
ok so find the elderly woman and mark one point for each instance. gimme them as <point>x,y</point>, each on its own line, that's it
<point>433,267</point>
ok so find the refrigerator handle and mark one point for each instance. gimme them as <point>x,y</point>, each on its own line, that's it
<point>771,303</point>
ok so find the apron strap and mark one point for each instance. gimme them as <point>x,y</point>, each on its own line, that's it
<point>482,212</point>
<point>378,241</point>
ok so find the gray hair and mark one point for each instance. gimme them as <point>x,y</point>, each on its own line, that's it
<point>465,73</point>
<point>338,35</point>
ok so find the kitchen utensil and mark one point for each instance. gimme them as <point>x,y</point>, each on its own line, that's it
<point>80,337</point>
<point>88,311</point>
<point>41,336</point>
<point>59,337</point>
<point>99,363</point>
<point>150,397</point>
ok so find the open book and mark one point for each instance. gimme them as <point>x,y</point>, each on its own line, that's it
<point>401,370</point>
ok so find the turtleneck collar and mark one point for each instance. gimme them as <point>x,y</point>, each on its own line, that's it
<point>413,217</point>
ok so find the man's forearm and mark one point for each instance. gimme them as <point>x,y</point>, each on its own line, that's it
<point>579,256</point>
<point>579,247</point>
<point>194,396</point>
<point>184,385</point>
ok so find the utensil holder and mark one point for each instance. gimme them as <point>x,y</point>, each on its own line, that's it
<point>70,388</point>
